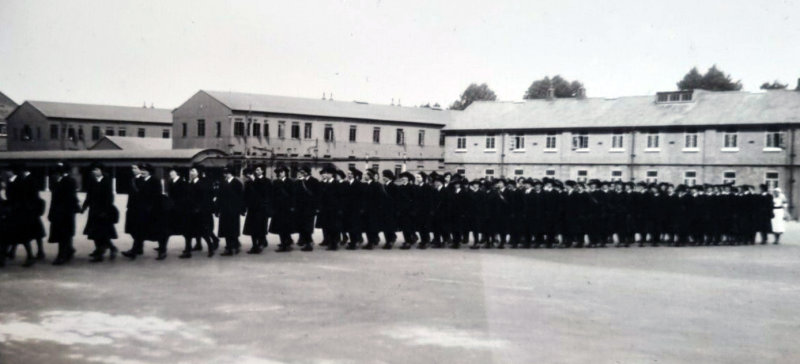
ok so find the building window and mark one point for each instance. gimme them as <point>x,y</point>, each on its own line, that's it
<point>184,130</point>
<point>376,167</point>
<point>441,139</point>
<point>616,175</point>
<point>80,133</point>
<point>461,143</point>
<point>266,130</point>
<point>53,132</point>
<point>27,133</point>
<point>401,137</point>
<point>139,132</point>
<point>329,133</point>
<point>257,130</point>
<point>307,131</point>
<point>421,138</point>
<point>729,177</point>
<point>730,140</point>
<point>238,128</point>
<point>690,140</point>
<point>550,172</point>
<point>281,129</point>
<point>376,135</point>
<point>583,175</point>
<point>110,131</point>
<point>489,173</point>
<point>3,131</point>
<point>14,133</point>
<point>123,132</point>
<point>398,169</point>
<point>690,178</point>
<point>550,142</point>
<point>95,133</point>
<point>165,133</point>
<point>218,127</point>
<point>518,143</point>
<point>490,142</point>
<point>580,141</point>
<point>295,130</point>
<point>652,141</point>
<point>353,133</point>
<point>351,166</point>
<point>772,180</point>
<point>518,172</point>
<point>617,141</point>
<point>201,128</point>
<point>775,140</point>
<point>651,177</point>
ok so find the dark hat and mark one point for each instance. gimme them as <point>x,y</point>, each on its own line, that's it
<point>680,188</point>
<point>199,168</point>
<point>527,181</point>
<point>177,169</point>
<point>356,173</point>
<point>372,172</point>
<point>558,184</point>
<point>423,175</point>
<point>327,170</point>
<point>437,178</point>
<point>536,182</point>
<point>281,169</point>
<point>62,167</point>
<point>407,175</point>
<point>18,167</point>
<point>570,183</point>
<point>448,174</point>
<point>97,165</point>
<point>641,184</point>
<point>388,174</point>
<point>547,180</point>
<point>148,167</point>
<point>594,182</point>
<point>305,169</point>
<point>340,173</point>
<point>248,170</point>
<point>475,182</point>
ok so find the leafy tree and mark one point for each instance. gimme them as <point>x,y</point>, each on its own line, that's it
<point>563,88</point>
<point>474,92</point>
<point>712,80</point>
<point>774,86</point>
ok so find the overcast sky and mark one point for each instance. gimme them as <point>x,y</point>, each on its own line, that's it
<point>161,52</point>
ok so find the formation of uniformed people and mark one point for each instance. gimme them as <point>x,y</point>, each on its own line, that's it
<point>356,210</point>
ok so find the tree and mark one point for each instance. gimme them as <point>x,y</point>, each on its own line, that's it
<point>474,92</point>
<point>774,86</point>
<point>563,88</point>
<point>713,80</point>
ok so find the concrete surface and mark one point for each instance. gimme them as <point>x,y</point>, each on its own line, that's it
<point>635,305</point>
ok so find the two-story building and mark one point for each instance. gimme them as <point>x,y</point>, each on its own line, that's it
<point>679,137</point>
<point>295,131</point>
<point>7,105</point>
<point>44,125</point>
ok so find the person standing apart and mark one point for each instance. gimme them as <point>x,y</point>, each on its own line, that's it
<point>779,212</point>
<point>63,207</point>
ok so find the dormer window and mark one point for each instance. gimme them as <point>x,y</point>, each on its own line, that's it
<point>674,96</point>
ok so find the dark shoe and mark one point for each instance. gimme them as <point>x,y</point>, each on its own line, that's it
<point>40,256</point>
<point>161,256</point>
<point>308,248</point>
<point>351,247</point>
<point>387,246</point>
<point>334,246</point>
<point>198,247</point>
<point>284,249</point>
<point>96,259</point>
<point>129,254</point>
<point>94,253</point>
<point>368,246</point>
<point>59,261</point>
<point>211,252</point>
<point>405,246</point>
<point>422,246</point>
<point>185,255</point>
<point>475,246</point>
<point>29,262</point>
<point>227,253</point>
<point>254,251</point>
<point>112,254</point>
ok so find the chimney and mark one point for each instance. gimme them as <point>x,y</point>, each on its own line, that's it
<point>581,94</point>
<point>551,93</point>
<point>323,96</point>
<point>392,101</point>
<point>331,97</point>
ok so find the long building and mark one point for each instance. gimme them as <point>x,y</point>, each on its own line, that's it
<point>679,137</point>
<point>294,131</point>
<point>44,125</point>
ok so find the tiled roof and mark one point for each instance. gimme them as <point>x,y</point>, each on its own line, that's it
<point>133,143</point>
<point>102,112</point>
<point>327,108</point>
<point>107,154</point>
<point>706,108</point>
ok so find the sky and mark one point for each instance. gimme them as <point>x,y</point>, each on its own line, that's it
<point>162,52</point>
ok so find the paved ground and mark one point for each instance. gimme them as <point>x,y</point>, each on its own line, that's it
<point>636,305</point>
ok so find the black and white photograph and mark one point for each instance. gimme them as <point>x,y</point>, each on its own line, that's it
<point>384,181</point>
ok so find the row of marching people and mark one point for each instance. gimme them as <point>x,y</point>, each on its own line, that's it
<point>353,209</point>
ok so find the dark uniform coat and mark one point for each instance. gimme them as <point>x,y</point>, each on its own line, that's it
<point>199,208</point>
<point>102,213</point>
<point>256,204</point>
<point>63,207</point>
<point>230,206</point>
<point>178,206</point>
<point>284,207</point>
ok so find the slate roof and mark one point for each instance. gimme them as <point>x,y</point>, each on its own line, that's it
<point>706,108</point>
<point>340,109</point>
<point>134,143</point>
<point>108,154</point>
<point>65,110</point>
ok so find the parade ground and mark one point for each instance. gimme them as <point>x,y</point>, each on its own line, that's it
<point>615,305</point>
